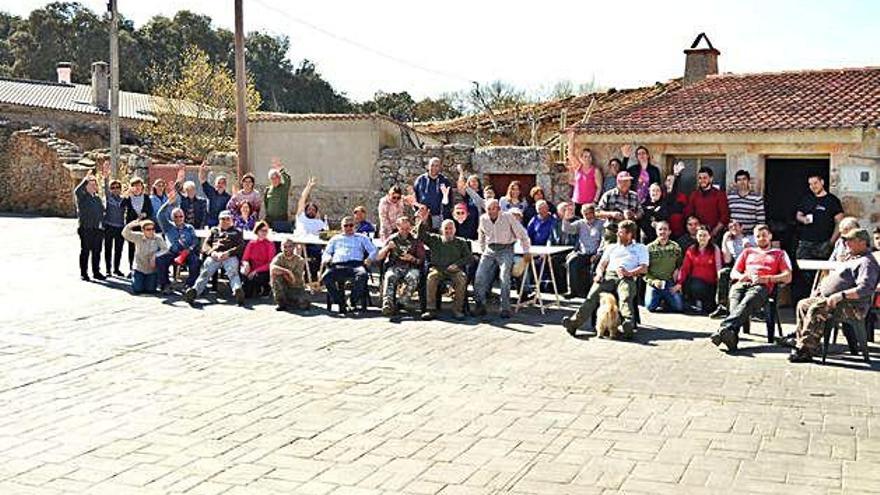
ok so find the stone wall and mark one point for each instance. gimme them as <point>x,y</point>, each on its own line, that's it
<point>39,173</point>
<point>535,160</point>
<point>401,166</point>
<point>88,131</point>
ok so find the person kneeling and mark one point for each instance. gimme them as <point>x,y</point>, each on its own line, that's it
<point>664,259</point>
<point>621,264</point>
<point>756,271</point>
<point>450,257</point>
<point>223,248</point>
<point>286,273</point>
<point>147,247</point>
<point>404,255</point>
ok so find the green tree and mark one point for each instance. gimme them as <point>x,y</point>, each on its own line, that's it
<point>196,109</point>
<point>442,108</point>
<point>398,106</point>
<point>9,24</point>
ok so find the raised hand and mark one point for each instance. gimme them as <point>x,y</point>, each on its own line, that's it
<point>423,212</point>
<point>626,151</point>
<point>276,163</point>
<point>181,173</point>
<point>678,167</point>
<point>444,189</point>
<point>172,195</point>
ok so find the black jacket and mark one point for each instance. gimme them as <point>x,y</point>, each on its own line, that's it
<point>131,214</point>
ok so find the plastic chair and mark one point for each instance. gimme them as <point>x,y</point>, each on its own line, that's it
<point>859,328</point>
<point>771,309</point>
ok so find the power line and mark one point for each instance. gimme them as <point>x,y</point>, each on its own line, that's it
<point>364,47</point>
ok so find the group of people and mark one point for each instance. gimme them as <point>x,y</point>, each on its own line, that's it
<point>631,232</point>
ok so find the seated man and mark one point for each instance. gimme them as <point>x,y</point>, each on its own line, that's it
<point>733,243</point>
<point>580,261</point>
<point>362,225</point>
<point>664,259</point>
<point>286,277</point>
<point>497,234</point>
<point>182,245</point>
<point>756,272</point>
<point>450,257</point>
<point>689,238</point>
<point>621,264</point>
<point>404,255</point>
<point>846,291</point>
<point>347,256</point>
<point>222,249</point>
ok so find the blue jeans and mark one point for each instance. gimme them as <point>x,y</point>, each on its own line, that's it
<point>674,300</point>
<point>502,259</point>
<point>192,267</point>
<point>211,266</point>
<point>143,282</point>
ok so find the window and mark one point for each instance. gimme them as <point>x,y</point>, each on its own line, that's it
<point>688,181</point>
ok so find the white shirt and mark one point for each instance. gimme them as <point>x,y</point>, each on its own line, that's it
<point>630,256</point>
<point>310,225</point>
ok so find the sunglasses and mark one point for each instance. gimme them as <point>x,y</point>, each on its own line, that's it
<point>395,198</point>
<point>148,229</point>
<point>348,225</point>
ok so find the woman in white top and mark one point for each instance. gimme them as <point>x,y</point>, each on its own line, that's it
<point>514,197</point>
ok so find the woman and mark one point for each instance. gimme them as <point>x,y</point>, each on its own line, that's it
<point>584,177</point>
<point>513,198</point>
<point>391,207</point>
<point>655,210</point>
<point>472,191</point>
<point>255,261</point>
<point>488,192</point>
<point>644,173</point>
<point>610,181</point>
<point>158,197</point>
<point>247,194</point>
<point>244,218</point>
<point>537,194</point>
<point>465,224</point>
<point>698,276</point>
<point>147,247</point>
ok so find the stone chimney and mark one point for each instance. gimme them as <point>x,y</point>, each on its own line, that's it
<point>64,72</point>
<point>700,62</point>
<point>101,85</point>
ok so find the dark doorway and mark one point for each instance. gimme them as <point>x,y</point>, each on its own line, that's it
<point>501,181</point>
<point>785,183</point>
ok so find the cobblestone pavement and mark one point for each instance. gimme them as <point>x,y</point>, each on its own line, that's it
<point>104,392</point>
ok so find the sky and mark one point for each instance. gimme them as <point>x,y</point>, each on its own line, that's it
<point>430,48</point>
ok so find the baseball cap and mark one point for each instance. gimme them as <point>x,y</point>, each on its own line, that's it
<point>624,176</point>
<point>224,214</point>
<point>857,234</point>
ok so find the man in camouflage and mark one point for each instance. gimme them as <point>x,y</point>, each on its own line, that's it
<point>286,272</point>
<point>844,294</point>
<point>404,255</point>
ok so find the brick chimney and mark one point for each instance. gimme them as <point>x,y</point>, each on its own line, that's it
<point>64,72</point>
<point>101,85</point>
<point>700,62</point>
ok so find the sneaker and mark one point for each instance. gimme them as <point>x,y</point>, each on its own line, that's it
<point>387,310</point>
<point>428,315</point>
<point>118,273</point>
<point>85,277</point>
<point>100,276</point>
<point>505,314</point>
<point>800,356</point>
<point>190,295</point>
<point>569,325</point>
<point>281,307</point>
<point>239,296</point>
<point>720,312</point>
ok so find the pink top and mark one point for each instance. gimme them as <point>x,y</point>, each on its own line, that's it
<point>584,186</point>
<point>388,214</point>
<point>259,253</point>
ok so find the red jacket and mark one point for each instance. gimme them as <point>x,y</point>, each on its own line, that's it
<point>701,264</point>
<point>709,206</point>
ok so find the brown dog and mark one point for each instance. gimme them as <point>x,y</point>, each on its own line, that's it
<point>607,316</point>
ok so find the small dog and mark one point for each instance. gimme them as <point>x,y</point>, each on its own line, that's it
<point>607,316</point>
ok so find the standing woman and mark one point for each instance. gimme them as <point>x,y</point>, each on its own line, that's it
<point>676,201</point>
<point>585,178</point>
<point>698,276</point>
<point>644,173</point>
<point>472,191</point>
<point>158,197</point>
<point>90,216</point>
<point>514,197</point>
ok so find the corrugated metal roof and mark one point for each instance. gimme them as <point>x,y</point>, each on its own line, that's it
<point>71,98</point>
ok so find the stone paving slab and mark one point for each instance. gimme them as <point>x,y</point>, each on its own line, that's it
<point>104,392</point>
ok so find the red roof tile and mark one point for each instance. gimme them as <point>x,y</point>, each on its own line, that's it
<point>797,100</point>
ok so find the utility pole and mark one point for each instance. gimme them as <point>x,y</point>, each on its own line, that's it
<point>114,88</point>
<point>240,93</point>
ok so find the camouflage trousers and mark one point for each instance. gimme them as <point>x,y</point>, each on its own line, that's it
<point>287,294</point>
<point>406,277</point>
<point>813,314</point>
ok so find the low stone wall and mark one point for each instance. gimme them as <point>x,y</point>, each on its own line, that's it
<point>401,166</point>
<point>39,173</point>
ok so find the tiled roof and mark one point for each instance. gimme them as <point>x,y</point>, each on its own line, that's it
<point>575,106</point>
<point>71,98</point>
<point>287,117</point>
<point>796,100</point>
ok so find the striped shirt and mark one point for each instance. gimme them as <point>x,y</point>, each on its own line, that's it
<point>748,210</point>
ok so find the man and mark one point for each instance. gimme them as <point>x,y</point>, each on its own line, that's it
<point>222,249</point>
<point>692,225</point>
<point>579,262</point>
<point>361,224</point>
<point>194,207</point>
<point>90,217</point>
<point>465,223</point>
<point>450,257</point>
<point>182,245</point>
<point>216,195</point>
<point>497,233</point>
<point>757,270</point>
<point>276,198</point>
<point>708,203</point>
<point>621,264</point>
<point>876,238</point>
<point>620,203</point>
<point>541,226</point>
<point>664,259</point>
<point>845,292</point>
<point>733,243</point>
<point>308,222</point>
<point>405,255</point>
<point>136,206</point>
<point>745,206</point>
<point>347,256</point>
<point>428,190</point>
<point>817,216</point>
<point>286,277</point>
<point>114,221</point>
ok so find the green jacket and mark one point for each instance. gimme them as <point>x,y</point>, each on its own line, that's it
<point>276,199</point>
<point>443,254</point>
<point>662,262</point>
